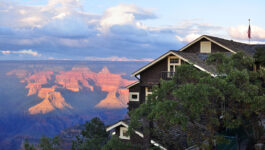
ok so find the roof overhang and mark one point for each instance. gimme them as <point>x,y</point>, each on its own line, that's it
<point>152,63</point>
<point>121,123</point>
<point>133,84</point>
<point>166,55</point>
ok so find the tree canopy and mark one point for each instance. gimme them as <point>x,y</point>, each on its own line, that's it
<point>46,143</point>
<point>93,137</point>
<point>202,107</point>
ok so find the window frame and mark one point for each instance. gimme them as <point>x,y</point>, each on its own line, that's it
<point>132,99</point>
<point>122,136</point>
<point>205,47</point>
<point>173,64</point>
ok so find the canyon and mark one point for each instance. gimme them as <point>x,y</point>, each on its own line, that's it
<point>42,98</point>
<point>48,84</point>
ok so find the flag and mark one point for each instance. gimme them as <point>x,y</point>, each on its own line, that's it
<point>249,32</point>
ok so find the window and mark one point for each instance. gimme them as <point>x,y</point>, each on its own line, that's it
<point>133,96</point>
<point>173,63</point>
<point>174,60</point>
<point>205,47</point>
<point>123,133</point>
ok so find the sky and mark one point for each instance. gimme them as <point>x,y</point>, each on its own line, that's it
<point>118,30</point>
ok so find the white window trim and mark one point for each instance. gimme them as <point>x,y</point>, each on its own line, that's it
<point>134,93</point>
<point>202,46</point>
<point>125,137</point>
<point>175,64</point>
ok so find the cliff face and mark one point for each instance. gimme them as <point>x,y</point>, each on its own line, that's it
<point>111,83</point>
<point>35,81</point>
<point>52,100</point>
<point>74,80</point>
<point>71,80</point>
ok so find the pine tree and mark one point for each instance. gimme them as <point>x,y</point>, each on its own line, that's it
<point>203,107</point>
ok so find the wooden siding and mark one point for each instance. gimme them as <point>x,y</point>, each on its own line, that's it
<point>195,48</point>
<point>152,75</point>
<point>134,138</point>
<point>134,104</point>
<point>135,88</point>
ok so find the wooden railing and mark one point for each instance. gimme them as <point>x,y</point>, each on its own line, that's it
<point>166,75</point>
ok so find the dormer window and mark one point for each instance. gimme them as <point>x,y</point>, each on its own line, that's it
<point>206,47</point>
<point>173,62</point>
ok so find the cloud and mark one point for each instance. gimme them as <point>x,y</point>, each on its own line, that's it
<point>62,29</point>
<point>6,52</point>
<point>124,15</point>
<point>188,31</point>
<point>241,33</point>
<point>24,16</point>
<point>188,38</point>
<point>116,58</point>
<point>24,52</point>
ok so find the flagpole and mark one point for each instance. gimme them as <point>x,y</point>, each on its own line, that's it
<point>249,31</point>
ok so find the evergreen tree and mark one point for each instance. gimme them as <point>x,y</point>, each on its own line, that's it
<point>202,107</point>
<point>116,144</point>
<point>28,146</point>
<point>46,143</point>
<point>93,137</point>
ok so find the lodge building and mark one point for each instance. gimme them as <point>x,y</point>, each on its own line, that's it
<point>164,67</point>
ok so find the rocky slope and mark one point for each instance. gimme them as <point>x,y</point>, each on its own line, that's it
<point>74,80</point>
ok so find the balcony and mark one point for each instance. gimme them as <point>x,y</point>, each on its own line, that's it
<point>166,75</point>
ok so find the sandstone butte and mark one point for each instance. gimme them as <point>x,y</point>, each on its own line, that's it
<point>52,100</point>
<point>35,81</point>
<point>111,83</point>
<point>74,80</point>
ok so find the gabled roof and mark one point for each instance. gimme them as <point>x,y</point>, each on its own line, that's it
<point>120,123</point>
<point>152,63</point>
<point>248,49</point>
<point>197,59</point>
<point>125,123</point>
<point>196,62</point>
<point>208,38</point>
<point>131,85</point>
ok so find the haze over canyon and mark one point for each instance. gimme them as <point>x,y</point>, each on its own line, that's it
<point>43,98</point>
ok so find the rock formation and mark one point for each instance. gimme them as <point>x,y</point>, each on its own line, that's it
<point>35,81</point>
<point>52,100</point>
<point>74,80</point>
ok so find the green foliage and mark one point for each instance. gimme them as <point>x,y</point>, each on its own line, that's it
<point>116,144</point>
<point>260,56</point>
<point>226,64</point>
<point>203,106</point>
<point>93,137</point>
<point>28,146</point>
<point>46,143</point>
